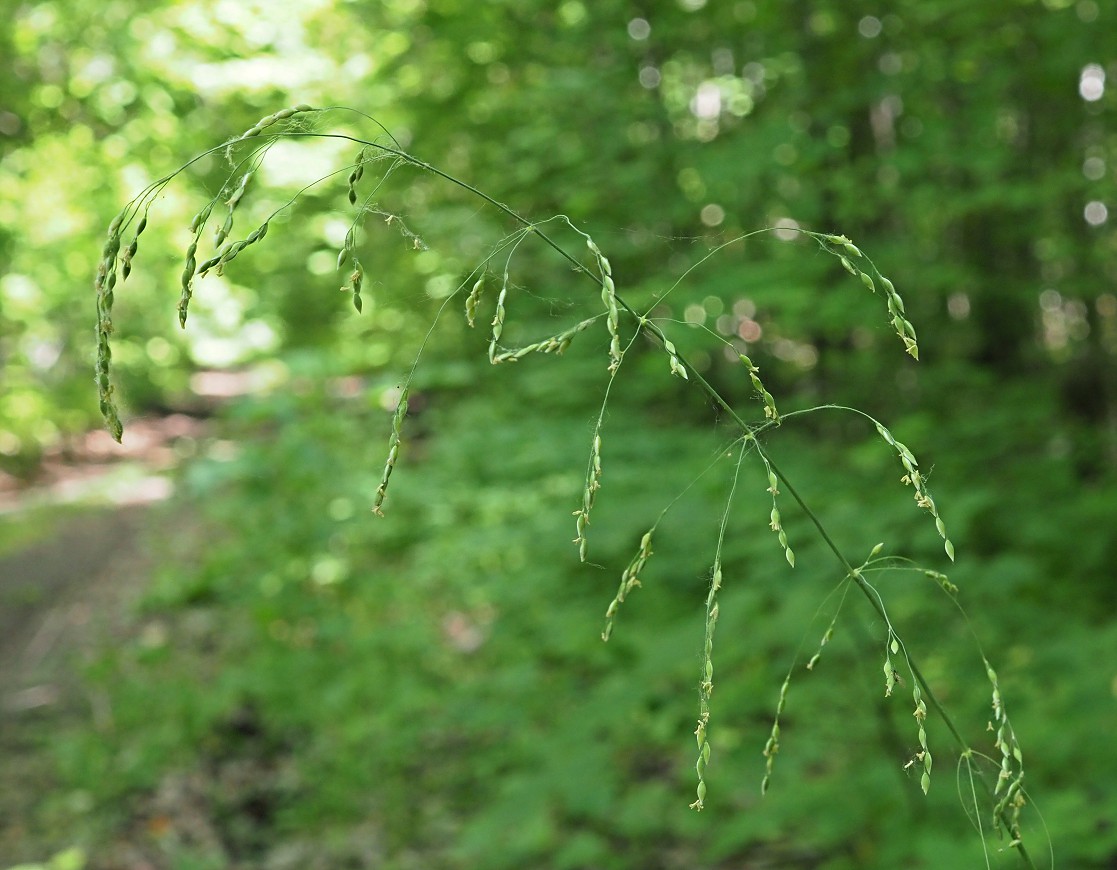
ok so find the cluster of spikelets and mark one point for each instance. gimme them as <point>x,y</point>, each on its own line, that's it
<point>706,686</point>
<point>116,263</point>
<point>918,482</point>
<point>104,285</point>
<point>630,579</point>
<point>860,266</point>
<point>1010,778</point>
<point>892,679</point>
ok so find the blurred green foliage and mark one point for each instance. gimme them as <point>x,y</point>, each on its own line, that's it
<point>430,688</point>
<point>70,859</point>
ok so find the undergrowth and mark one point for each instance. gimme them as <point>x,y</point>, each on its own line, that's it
<point>994,803</point>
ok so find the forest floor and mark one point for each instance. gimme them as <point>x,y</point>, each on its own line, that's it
<point>76,554</point>
<point>80,548</point>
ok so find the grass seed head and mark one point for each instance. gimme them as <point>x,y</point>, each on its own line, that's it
<point>355,176</point>
<point>103,283</point>
<point>353,285</point>
<point>497,324</point>
<point>393,452</point>
<point>268,120</point>
<point>473,299</point>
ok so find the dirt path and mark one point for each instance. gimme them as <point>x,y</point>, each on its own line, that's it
<point>81,515</point>
<point>60,599</point>
<point>43,588</point>
<point>74,559</point>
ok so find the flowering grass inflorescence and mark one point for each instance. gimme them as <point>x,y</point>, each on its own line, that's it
<point>245,154</point>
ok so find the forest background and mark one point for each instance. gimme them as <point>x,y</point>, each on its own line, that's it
<point>299,681</point>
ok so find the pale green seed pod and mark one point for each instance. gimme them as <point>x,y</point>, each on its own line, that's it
<point>199,219</point>
<point>473,300</point>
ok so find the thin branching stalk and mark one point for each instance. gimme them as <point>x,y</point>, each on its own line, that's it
<point>1008,793</point>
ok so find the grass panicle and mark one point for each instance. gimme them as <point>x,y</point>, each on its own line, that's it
<point>1008,796</point>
